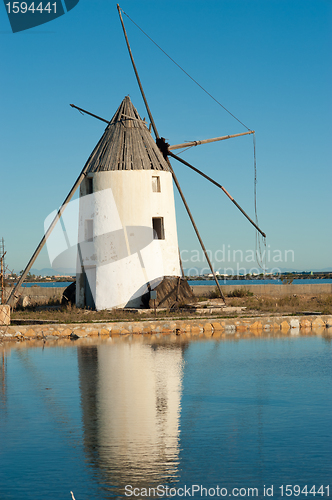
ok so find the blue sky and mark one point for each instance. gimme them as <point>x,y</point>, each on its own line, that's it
<point>268,62</point>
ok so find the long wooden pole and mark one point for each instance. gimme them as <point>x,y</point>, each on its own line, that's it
<point>207,141</point>
<point>88,113</point>
<point>2,277</point>
<point>169,164</point>
<point>14,294</point>
<point>219,186</point>
<point>197,233</point>
<point>137,76</point>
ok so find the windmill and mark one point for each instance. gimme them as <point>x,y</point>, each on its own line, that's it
<point>94,246</point>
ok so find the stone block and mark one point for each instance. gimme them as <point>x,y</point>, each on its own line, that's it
<point>257,325</point>
<point>318,322</point>
<point>156,328</point>
<point>294,323</point>
<point>104,332</point>
<point>284,327</point>
<point>138,328</point>
<point>217,326</point>
<point>93,333</point>
<point>79,333</point>
<point>125,331</point>
<point>207,327</point>
<point>195,330</point>
<point>305,323</point>
<point>30,333</point>
<point>116,330</point>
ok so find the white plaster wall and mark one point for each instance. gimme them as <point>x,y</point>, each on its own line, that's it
<point>137,204</point>
<point>126,255</point>
<point>138,406</point>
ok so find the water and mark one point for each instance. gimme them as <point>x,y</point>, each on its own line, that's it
<point>240,283</point>
<point>165,411</point>
<point>56,284</point>
<point>245,282</point>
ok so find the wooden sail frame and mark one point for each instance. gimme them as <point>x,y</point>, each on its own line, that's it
<point>166,150</point>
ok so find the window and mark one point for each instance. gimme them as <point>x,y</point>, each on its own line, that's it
<point>158,228</point>
<point>155,184</point>
<point>89,230</point>
<point>89,185</point>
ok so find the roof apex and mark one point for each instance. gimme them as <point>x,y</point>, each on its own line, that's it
<point>126,144</point>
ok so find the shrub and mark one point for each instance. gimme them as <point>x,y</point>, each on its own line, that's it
<point>240,292</point>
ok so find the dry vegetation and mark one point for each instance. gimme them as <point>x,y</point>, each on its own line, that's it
<point>294,304</point>
<point>291,305</point>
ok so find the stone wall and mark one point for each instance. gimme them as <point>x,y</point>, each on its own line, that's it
<point>38,294</point>
<point>208,327</point>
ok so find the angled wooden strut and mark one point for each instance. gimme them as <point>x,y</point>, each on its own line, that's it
<point>169,164</point>
<point>207,141</point>
<point>14,294</point>
<point>81,110</point>
<point>219,186</point>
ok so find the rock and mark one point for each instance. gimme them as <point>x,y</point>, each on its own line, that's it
<point>24,301</point>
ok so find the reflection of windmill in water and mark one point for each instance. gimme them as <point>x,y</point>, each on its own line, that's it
<point>116,270</point>
<point>131,403</point>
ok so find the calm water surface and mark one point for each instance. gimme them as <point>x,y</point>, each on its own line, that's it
<point>245,282</point>
<point>57,284</point>
<point>233,413</point>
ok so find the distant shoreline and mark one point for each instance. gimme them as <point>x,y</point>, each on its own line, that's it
<point>239,282</point>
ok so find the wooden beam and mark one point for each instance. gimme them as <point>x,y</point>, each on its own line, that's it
<point>14,294</point>
<point>88,113</point>
<point>219,186</point>
<point>158,140</point>
<point>136,73</point>
<point>206,141</point>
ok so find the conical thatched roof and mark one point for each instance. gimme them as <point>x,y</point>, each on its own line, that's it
<point>126,144</point>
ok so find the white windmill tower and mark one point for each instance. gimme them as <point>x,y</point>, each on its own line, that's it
<point>127,228</point>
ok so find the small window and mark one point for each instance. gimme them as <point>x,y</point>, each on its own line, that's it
<point>155,184</point>
<point>158,228</point>
<point>89,230</point>
<point>89,185</point>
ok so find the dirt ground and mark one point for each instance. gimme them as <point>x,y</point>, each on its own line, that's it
<point>235,306</point>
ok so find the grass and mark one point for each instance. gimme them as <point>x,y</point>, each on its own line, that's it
<point>289,305</point>
<point>285,305</point>
<point>240,292</point>
<point>72,314</point>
